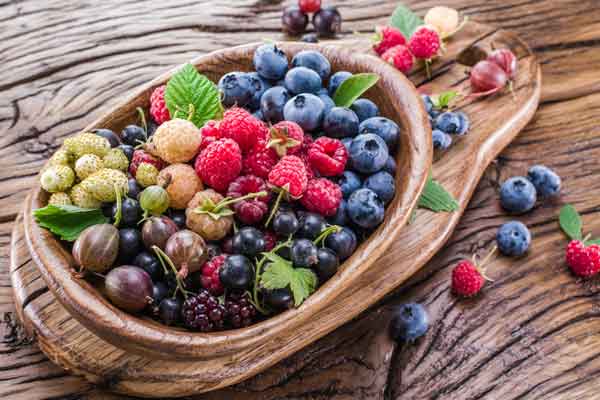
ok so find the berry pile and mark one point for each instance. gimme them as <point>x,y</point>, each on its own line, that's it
<point>327,21</point>
<point>215,225</point>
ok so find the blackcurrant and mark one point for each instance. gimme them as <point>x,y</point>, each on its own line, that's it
<point>133,135</point>
<point>248,241</point>
<point>327,21</point>
<point>279,299</point>
<point>131,213</point>
<point>311,225</point>
<point>294,21</point>
<point>150,264</point>
<point>109,135</point>
<point>169,310</point>
<point>285,223</point>
<point>343,243</point>
<point>130,244</point>
<point>237,272</point>
<point>303,253</point>
<point>328,264</point>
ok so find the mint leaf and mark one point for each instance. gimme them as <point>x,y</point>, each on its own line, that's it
<point>280,273</point>
<point>436,198</point>
<point>67,222</point>
<point>405,20</point>
<point>354,87</point>
<point>191,93</point>
<point>442,100</point>
<point>570,222</point>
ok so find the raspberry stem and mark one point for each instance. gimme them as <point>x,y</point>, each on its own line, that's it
<point>232,200</point>
<point>275,207</point>
<point>481,266</point>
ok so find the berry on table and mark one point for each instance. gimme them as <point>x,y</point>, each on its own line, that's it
<point>365,208</point>
<point>209,278</point>
<point>463,127</point>
<point>513,239</point>
<point>336,80</point>
<point>364,109</point>
<point>181,183</point>
<point>387,37</point>
<point>327,21</point>
<point>383,127</point>
<point>340,122</point>
<point>176,141</point>
<point>302,80</point>
<point>237,272</point>
<point>425,43</point>
<point>219,164</point>
<point>251,210</point>
<point>583,261</point>
<point>440,140</point>
<point>444,19</point>
<point>313,60</point>
<point>349,182</point>
<point>327,156</point>
<point>448,122</point>
<point>242,127</point>
<point>517,195</point>
<point>203,312</point>
<point>468,278</point>
<point>547,182</point>
<point>309,6</point>
<point>400,57</point>
<point>272,102</point>
<point>322,196</point>
<point>368,153</point>
<point>310,38</point>
<point>293,21</point>
<point>383,184</point>
<point>236,89</point>
<point>158,107</point>
<point>409,322</point>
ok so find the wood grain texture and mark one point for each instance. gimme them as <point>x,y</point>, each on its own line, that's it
<point>49,102</point>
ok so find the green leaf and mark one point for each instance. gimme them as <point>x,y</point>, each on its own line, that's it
<point>592,241</point>
<point>354,87</point>
<point>277,275</point>
<point>67,222</point>
<point>405,20</point>
<point>442,100</point>
<point>189,88</point>
<point>436,198</point>
<point>304,285</point>
<point>570,222</point>
<point>280,274</point>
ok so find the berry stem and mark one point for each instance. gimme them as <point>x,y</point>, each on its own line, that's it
<point>119,213</point>
<point>164,258</point>
<point>326,232</point>
<point>275,207</point>
<point>232,200</point>
<point>143,120</point>
<point>487,258</point>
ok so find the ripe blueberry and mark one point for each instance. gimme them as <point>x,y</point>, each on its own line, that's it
<point>314,60</point>
<point>306,110</point>
<point>302,80</point>
<point>547,182</point>
<point>364,109</point>
<point>270,62</point>
<point>383,127</point>
<point>409,322</point>
<point>236,88</point>
<point>365,208</point>
<point>517,195</point>
<point>368,153</point>
<point>513,239</point>
<point>340,122</point>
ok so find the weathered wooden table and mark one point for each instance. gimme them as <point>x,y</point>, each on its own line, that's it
<point>535,333</point>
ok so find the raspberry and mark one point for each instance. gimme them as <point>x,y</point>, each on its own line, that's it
<point>270,240</point>
<point>425,43</point>
<point>309,6</point>
<point>249,211</point>
<point>176,141</point>
<point>387,37</point>
<point>240,311</point>
<point>57,178</point>
<point>210,275</point>
<point>87,164</point>
<point>181,183</point>
<point>328,156</point>
<point>87,143</point>
<point>158,108</point>
<point>241,126</point>
<point>219,164</point>
<point>400,57</point>
<point>290,175</point>
<point>322,196</point>
<point>202,312</point>
<point>467,281</point>
<point>209,132</point>
<point>583,261</point>
<point>141,156</point>
<point>287,137</point>
<point>444,19</point>
<point>259,161</point>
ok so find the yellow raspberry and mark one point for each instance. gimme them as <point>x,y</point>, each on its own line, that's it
<point>57,178</point>
<point>83,199</point>
<point>445,20</point>
<point>87,164</point>
<point>87,143</point>
<point>102,184</point>
<point>59,199</point>
<point>176,141</point>
<point>146,175</point>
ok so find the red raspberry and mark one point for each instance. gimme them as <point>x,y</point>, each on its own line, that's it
<point>210,132</point>
<point>583,261</point>
<point>467,280</point>
<point>400,57</point>
<point>219,164</point>
<point>249,211</point>
<point>425,43</point>
<point>270,240</point>
<point>158,108</point>
<point>322,196</point>
<point>210,275</point>
<point>328,156</point>
<point>309,6</point>
<point>241,126</point>
<point>290,175</point>
<point>287,137</point>
<point>259,161</point>
<point>141,156</point>
<point>387,37</point>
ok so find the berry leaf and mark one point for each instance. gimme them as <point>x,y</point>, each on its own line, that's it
<point>592,241</point>
<point>442,100</point>
<point>192,95</point>
<point>304,284</point>
<point>570,222</point>
<point>436,198</point>
<point>405,20</point>
<point>280,273</point>
<point>67,222</point>
<point>354,87</point>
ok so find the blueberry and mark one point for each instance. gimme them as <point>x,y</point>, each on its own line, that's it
<point>327,101</point>
<point>236,88</point>
<point>383,184</point>
<point>309,38</point>
<point>347,142</point>
<point>133,189</point>
<point>340,122</point>
<point>517,195</point>
<point>109,135</point>
<point>179,217</point>
<point>285,223</point>
<point>343,243</point>
<point>279,299</point>
<point>259,86</point>
<point>130,244</point>
<point>306,110</point>
<point>270,62</point>
<point>314,60</point>
<point>169,310</point>
<point>327,265</point>
<point>441,140</point>
<point>390,166</point>
<point>428,103</point>
<point>513,239</point>
<point>341,215</point>
<point>248,241</point>
<point>547,182</point>
<point>131,212</point>
<point>133,135</point>
<point>383,127</point>
<point>448,122</point>
<point>236,272</point>
<point>302,80</point>
<point>336,80</point>
<point>127,150</point>
<point>365,208</point>
<point>349,182</point>
<point>294,21</point>
<point>368,153</point>
<point>327,21</point>
<point>311,225</point>
<point>364,109</point>
<point>272,102</point>
<point>149,263</point>
<point>409,322</point>
<point>258,115</point>
<point>465,124</point>
<point>303,253</point>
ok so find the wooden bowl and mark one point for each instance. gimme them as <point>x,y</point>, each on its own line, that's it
<point>396,97</point>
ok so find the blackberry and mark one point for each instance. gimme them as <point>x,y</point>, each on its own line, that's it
<point>203,312</point>
<point>239,308</point>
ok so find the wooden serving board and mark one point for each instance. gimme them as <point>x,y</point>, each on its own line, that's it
<point>495,122</point>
